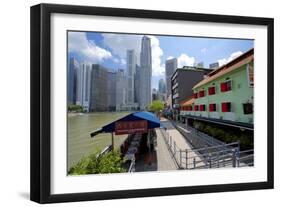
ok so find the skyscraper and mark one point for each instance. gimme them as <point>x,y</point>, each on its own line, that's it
<point>154,94</point>
<point>131,70</point>
<point>161,86</point>
<point>145,73</point>
<point>111,87</point>
<point>120,90</point>
<point>71,80</point>
<point>83,86</point>
<point>99,90</point>
<point>161,90</point>
<point>170,67</point>
<point>137,85</point>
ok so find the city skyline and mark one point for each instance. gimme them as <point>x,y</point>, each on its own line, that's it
<point>109,50</point>
<point>94,87</point>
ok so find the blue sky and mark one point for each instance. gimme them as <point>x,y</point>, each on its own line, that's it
<point>109,50</point>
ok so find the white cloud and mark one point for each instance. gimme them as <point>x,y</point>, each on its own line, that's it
<point>170,57</point>
<point>78,42</point>
<point>119,61</point>
<point>230,58</point>
<point>158,68</point>
<point>120,43</point>
<point>123,61</point>
<point>203,50</point>
<point>185,60</point>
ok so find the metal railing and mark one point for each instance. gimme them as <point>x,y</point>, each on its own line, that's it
<point>105,150</point>
<point>216,156</point>
<point>132,167</point>
<point>246,158</point>
<point>195,137</point>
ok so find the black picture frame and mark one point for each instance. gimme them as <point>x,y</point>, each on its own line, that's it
<point>41,102</point>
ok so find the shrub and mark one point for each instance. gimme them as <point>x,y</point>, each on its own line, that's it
<point>110,162</point>
<point>227,135</point>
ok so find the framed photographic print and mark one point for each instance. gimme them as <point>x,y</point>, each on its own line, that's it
<point>132,103</point>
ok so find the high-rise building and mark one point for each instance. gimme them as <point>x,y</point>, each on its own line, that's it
<point>145,73</point>
<point>83,86</point>
<point>131,70</point>
<point>137,84</point>
<point>99,90</point>
<point>111,94</point>
<point>162,86</point>
<point>121,88</point>
<point>161,90</point>
<point>214,65</point>
<point>183,81</point>
<point>71,80</point>
<point>87,88</point>
<point>170,67</point>
<point>154,94</point>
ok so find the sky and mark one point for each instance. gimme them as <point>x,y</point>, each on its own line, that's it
<point>109,50</point>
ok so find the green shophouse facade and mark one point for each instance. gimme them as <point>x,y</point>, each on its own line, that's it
<point>226,95</point>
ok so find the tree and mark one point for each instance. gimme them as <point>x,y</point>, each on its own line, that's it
<point>75,108</point>
<point>156,106</point>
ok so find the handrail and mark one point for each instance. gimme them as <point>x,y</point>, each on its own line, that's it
<point>220,155</point>
<point>213,147</point>
<point>132,166</point>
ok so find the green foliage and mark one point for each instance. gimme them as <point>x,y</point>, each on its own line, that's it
<point>226,135</point>
<point>156,106</point>
<point>75,108</point>
<point>110,162</point>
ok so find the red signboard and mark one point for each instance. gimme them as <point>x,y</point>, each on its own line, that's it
<point>130,127</point>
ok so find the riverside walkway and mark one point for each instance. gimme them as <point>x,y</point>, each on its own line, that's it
<point>181,146</point>
<point>165,160</point>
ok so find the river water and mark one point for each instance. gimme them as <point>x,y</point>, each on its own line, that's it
<point>79,142</point>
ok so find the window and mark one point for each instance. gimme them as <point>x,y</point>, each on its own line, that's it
<point>201,93</point>
<point>250,71</point>
<point>202,107</point>
<point>189,108</point>
<point>196,108</point>
<point>226,107</point>
<point>211,90</point>
<point>212,107</point>
<point>226,86</point>
<point>195,95</point>
<point>248,108</point>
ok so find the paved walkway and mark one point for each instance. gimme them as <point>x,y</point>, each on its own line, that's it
<point>165,160</point>
<point>158,160</point>
<point>182,144</point>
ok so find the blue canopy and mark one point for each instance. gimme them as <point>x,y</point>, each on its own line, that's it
<point>152,122</point>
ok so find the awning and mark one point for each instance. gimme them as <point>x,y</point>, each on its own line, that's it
<point>152,122</point>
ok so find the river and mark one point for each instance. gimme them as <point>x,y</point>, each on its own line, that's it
<point>79,142</point>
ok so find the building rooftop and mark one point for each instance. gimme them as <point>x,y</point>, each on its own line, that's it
<point>195,68</point>
<point>227,68</point>
<point>191,68</point>
<point>187,102</point>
